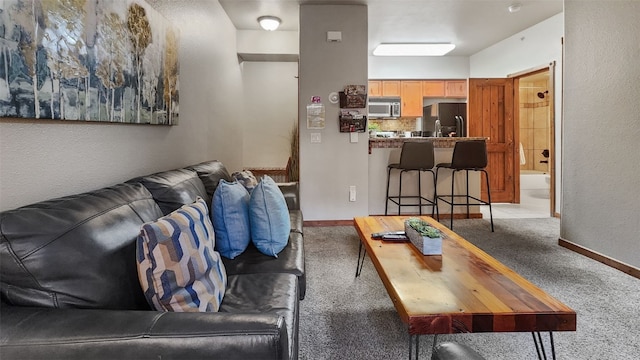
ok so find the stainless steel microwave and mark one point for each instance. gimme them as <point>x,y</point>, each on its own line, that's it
<point>384,109</point>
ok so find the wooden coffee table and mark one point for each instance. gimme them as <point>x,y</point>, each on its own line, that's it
<point>462,290</point>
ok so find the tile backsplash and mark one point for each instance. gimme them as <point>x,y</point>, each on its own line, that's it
<point>400,124</point>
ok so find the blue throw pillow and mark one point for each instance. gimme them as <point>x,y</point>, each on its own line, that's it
<point>269,217</point>
<point>230,216</point>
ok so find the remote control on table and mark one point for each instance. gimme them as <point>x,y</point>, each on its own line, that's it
<point>395,237</point>
<point>381,234</point>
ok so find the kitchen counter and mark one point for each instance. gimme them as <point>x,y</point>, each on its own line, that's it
<point>396,142</point>
<point>383,151</point>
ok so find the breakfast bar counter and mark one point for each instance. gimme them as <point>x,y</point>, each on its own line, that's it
<point>385,151</point>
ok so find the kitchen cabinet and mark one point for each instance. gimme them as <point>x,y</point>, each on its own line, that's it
<point>411,98</point>
<point>382,88</point>
<point>455,88</point>
<point>375,88</point>
<point>391,88</point>
<point>433,88</point>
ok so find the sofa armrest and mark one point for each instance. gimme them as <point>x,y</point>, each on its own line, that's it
<point>291,192</point>
<point>109,334</point>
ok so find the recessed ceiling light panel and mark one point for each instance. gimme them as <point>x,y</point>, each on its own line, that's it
<point>413,49</point>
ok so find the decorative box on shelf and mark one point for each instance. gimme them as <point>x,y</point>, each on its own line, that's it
<point>427,239</point>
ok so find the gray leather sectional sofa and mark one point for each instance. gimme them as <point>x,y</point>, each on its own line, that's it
<point>70,289</point>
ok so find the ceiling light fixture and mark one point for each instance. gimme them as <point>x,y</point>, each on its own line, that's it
<point>413,49</point>
<point>515,7</point>
<point>269,23</point>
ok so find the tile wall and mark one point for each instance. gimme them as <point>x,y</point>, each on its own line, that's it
<point>534,125</point>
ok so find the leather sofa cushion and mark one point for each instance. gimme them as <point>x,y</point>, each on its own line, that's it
<point>80,334</point>
<point>76,252</point>
<point>296,220</point>
<point>290,260</point>
<point>291,192</point>
<point>268,293</point>
<point>174,188</point>
<point>210,173</point>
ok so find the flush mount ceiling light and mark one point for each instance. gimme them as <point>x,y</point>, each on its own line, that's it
<point>515,7</point>
<point>413,49</point>
<point>269,23</point>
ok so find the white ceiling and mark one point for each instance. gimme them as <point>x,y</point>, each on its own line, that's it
<point>470,24</point>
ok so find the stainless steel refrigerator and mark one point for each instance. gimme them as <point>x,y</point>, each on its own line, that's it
<point>452,118</point>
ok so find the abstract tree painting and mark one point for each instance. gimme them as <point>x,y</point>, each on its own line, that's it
<point>90,60</point>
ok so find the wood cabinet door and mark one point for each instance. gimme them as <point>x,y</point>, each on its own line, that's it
<point>411,97</point>
<point>491,115</point>
<point>375,88</point>
<point>390,87</point>
<point>455,88</point>
<point>433,88</point>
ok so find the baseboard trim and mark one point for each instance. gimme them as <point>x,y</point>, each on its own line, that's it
<point>315,223</point>
<point>618,265</point>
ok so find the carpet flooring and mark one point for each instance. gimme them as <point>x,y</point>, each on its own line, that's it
<point>343,317</point>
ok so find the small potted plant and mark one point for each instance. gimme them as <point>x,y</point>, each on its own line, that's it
<point>424,237</point>
<point>373,129</point>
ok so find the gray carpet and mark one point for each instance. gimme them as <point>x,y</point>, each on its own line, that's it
<point>343,317</point>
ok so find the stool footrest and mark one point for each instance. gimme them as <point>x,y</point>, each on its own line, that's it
<point>479,202</point>
<point>396,200</point>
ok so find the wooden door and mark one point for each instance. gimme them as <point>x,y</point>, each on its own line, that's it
<point>491,115</point>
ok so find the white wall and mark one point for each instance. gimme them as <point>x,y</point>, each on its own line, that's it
<point>601,128</point>
<point>534,47</point>
<point>410,67</point>
<point>327,169</point>
<point>271,104</point>
<point>40,160</point>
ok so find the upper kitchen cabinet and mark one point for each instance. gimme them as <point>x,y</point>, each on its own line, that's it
<point>389,88</point>
<point>411,98</point>
<point>433,88</point>
<point>455,88</point>
<point>375,88</point>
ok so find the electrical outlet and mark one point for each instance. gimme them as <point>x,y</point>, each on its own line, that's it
<point>352,193</point>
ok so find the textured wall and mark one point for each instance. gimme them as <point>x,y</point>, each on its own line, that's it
<point>41,160</point>
<point>271,95</point>
<point>601,172</point>
<point>327,169</point>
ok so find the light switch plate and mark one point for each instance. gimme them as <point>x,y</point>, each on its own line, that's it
<point>316,138</point>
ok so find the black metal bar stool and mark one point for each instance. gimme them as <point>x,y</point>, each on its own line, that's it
<point>414,156</point>
<point>468,155</point>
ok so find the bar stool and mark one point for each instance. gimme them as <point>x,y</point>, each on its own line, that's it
<point>468,155</point>
<point>414,156</point>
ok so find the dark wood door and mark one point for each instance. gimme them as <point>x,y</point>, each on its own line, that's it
<point>491,115</point>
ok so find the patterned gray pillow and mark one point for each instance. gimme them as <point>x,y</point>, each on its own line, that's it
<point>246,178</point>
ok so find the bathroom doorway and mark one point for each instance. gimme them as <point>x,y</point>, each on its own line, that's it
<point>536,141</point>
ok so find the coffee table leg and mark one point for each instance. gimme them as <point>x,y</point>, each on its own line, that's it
<point>542,353</point>
<point>360,262</point>
<point>411,337</point>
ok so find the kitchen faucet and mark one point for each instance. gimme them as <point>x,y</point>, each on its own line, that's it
<point>438,129</point>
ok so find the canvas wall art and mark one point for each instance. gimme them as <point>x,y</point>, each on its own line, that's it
<point>89,60</point>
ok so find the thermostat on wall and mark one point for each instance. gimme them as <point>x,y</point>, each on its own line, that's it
<point>334,36</point>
